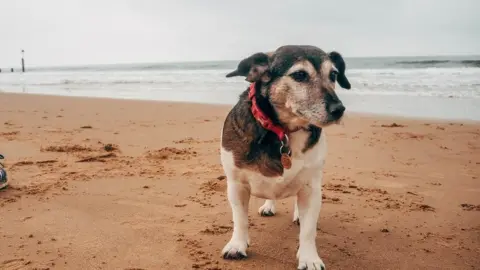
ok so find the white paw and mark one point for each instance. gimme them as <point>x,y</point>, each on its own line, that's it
<point>311,265</point>
<point>296,218</point>
<point>267,209</point>
<point>311,262</point>
<point>235,250</point>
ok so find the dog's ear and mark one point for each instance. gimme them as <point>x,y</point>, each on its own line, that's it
<point>339,63</point>
<point>254,68</point>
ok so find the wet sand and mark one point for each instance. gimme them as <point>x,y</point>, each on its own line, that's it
<point>118,184</point>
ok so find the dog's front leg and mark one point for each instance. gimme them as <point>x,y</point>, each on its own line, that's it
<point>239,197</point>
<point>309,201</point>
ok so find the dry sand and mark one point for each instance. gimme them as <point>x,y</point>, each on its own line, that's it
<point>113,184</point>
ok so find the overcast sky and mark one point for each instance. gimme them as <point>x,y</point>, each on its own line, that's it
<point>70,32</point>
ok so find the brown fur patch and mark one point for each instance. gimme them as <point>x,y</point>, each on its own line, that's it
<point>325,69</point>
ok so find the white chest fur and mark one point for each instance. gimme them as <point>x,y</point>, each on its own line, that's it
<point>304,166</point>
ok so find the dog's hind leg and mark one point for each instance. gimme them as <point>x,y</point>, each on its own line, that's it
<point>238,196</point>
<point>267,209</point>
<point>296,219</point>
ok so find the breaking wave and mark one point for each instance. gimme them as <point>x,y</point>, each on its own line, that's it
<point>439,63</point>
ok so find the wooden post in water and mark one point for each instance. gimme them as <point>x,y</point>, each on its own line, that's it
<point>23,61</point>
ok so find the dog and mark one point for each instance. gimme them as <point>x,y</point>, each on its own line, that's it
<point>272,144</point>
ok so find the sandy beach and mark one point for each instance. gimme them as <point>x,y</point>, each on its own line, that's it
<point>120,184</point>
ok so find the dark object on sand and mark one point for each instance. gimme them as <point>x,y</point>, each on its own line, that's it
<point>3,175</point>
<point>109,147</point>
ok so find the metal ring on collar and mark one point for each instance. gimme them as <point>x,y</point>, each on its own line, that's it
<point>286,144</point>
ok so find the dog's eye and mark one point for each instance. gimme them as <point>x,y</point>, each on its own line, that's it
<point>333,75</point>
<point>299,76</point>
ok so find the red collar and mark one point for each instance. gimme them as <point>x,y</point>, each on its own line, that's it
<point>267,123</point>
<point>262,118</point>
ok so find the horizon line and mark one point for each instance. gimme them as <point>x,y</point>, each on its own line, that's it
<point>224,60</point>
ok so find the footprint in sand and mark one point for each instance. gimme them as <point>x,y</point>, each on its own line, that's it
<point>171,153</point>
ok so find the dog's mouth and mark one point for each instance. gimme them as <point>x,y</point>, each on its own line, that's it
<point>337,121</point>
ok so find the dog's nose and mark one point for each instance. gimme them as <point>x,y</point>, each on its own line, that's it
<point>336,109</point>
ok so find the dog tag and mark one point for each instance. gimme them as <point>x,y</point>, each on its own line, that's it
<point>286,161</point>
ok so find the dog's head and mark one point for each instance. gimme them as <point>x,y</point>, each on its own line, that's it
<point>299,82</point>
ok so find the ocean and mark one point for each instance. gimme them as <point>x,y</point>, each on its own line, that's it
<point>426,87</point>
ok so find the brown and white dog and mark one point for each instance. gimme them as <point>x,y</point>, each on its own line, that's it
<point>272,144</point>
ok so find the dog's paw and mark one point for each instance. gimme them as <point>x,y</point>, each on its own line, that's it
<point>296,218</point>
<point>296,221</point>
<point>235,250</point>
<point>311,265</point>
<point>310,261</point>
<point>267,209</point>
